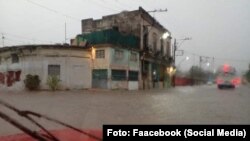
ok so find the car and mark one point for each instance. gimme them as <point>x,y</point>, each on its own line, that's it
<point>209,83</point>
<point>227,77</point>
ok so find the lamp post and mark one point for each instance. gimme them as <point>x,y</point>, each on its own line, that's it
<point>175,46</point>
<point>174,54</point>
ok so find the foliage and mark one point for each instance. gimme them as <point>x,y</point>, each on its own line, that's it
<point>53,82</point>
<point>32,82</point>
<point>196,72</point>
<point>200,75</point>
<point>248,75</point>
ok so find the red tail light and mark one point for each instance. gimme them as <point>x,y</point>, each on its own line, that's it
<point>236,81</point>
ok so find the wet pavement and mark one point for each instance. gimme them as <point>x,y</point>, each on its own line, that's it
<point>90,109</point>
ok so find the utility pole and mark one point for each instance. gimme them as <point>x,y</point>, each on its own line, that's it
<point>3,39</point>
<point>175,48</point>
<point>65,33</point>
<point>200,70</point>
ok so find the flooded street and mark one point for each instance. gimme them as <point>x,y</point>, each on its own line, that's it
<point>93,108</point>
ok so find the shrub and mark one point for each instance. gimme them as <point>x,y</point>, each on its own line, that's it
<point>32,82</point>
<point>53,82</point>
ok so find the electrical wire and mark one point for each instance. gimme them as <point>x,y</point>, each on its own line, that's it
<point>123,5</point>
<point>54,11</point>
<point>217,58</point>
<point>103,6</point>
<point>10,36</point>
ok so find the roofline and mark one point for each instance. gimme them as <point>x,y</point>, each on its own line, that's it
<point>115,46</point>
<point>47,46</point>
<point>154,21</point>
<point>141,11</point>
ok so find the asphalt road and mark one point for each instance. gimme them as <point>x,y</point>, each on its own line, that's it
<point>93,108</point>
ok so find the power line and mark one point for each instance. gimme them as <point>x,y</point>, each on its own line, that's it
<point>122,4</point>
<point>217,58</point>
<point>102,6</point>
<point>118,4</point>
<point>54,11</point>
<point>24,38</point>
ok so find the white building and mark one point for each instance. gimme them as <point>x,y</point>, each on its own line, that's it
<point>70,63</point>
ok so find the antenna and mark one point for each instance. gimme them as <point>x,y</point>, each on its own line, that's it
<point>158,10</point>
<point>65,33</point>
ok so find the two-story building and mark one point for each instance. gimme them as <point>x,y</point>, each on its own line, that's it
<point>115,59</point>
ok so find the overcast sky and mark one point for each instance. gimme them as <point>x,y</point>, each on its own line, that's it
<point>218,28</point>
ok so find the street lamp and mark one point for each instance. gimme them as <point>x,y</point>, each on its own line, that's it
<point>175,46</point>
<point>165,35</point>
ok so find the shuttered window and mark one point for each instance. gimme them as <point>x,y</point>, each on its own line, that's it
<point>54,70</point>
<point>118,75</point>
<point>101,74</point>
<point>14,58</point>
<point>133,75</point>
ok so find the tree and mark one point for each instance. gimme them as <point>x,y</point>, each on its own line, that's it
<point>198,74</point>
<point>248,75</point>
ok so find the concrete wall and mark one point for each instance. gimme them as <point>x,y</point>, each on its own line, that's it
<point>133,85</point>
<point>137,23</point>
<point>101,63</point>
<point>130,23</point>
<point>75,67</point>
<point>111,62</point>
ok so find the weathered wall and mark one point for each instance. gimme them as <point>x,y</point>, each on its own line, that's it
<point>129,23</point>
<point>133,85</point>
<point>75,67</point>
<point>125,62</point>
<point>111,62</point>
<point>101,63</point>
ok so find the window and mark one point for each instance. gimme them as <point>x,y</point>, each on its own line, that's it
<point>100,74</point>
<point>168,48</point>
<point>118,75</point>
<point>145,38</point>
<point>54,70</point>
<point>133,75</point>
<point>155,41</point>
<point>119,54</point>
<point>133,57</point>
<point>14,58</point>
<point>162,51</point>
<point>100,53</point>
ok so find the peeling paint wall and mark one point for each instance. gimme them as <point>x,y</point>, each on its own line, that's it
<point>114,61</point>
<point>75,67</point>
<point>150,31</point>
